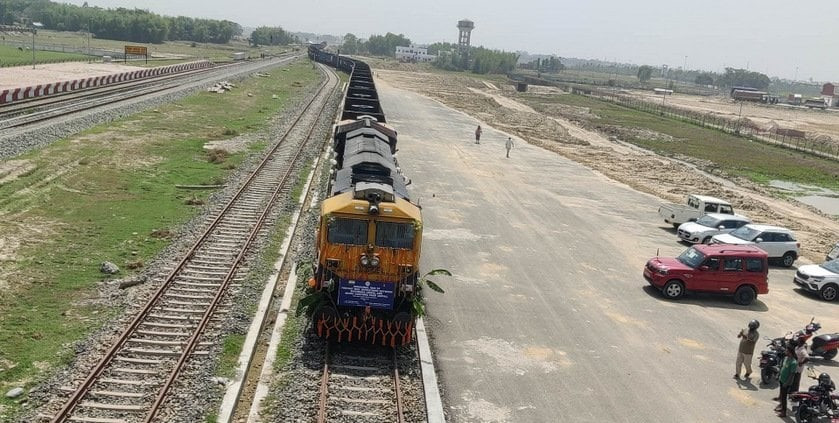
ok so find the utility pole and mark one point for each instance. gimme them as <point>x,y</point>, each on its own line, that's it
<point>35,25</point>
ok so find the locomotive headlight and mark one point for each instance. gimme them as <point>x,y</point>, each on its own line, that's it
<point>365,261</point>
<point>374,261</point>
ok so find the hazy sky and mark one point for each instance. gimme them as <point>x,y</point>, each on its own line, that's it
<point>772,36</point>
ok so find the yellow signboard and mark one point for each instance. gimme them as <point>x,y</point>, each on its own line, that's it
<point>138,50</point>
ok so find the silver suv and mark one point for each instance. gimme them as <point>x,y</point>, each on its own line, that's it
<point>709,225</point>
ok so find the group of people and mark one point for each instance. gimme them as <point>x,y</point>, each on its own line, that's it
<point>791,368</point>
<point>508,144</point>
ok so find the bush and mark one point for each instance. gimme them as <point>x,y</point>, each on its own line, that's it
<point>217,155</point>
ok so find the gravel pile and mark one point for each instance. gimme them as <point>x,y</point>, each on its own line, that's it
<point>15,142</point>
<point>198,390</point>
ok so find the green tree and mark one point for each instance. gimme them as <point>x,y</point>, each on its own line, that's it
<point>350,44</point>
<point>272,36</point>
<point>704,78</point>
<point>742,77</point>
<point>645,73</point>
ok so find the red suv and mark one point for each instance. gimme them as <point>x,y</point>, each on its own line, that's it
<point>741,270</point>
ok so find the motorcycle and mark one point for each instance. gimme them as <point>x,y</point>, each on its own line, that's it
<point>817,405</point>
<point>770,360</point>
<point>825,346</point>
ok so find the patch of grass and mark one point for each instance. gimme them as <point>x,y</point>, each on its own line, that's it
<point>735,155</point>
<point>231,347</point>
<point>291,332</point>
<point>117,207</point>
<point>12,56</point>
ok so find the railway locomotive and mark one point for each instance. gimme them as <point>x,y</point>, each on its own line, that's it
<point>370,233</point>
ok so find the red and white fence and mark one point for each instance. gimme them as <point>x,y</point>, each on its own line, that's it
<point>16,94</point>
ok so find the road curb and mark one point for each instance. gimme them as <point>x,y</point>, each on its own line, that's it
<point>433,401</point>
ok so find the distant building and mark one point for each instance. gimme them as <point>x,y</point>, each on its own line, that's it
<point>829,95</point>
<point>414,53</point>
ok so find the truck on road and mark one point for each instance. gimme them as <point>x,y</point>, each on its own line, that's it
<point>696,207</point>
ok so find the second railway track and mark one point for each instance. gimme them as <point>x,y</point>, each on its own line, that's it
<point>132,381</point>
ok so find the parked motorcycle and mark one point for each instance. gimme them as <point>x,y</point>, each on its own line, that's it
<point>818,404</point>
<point>825,346</point>
<point>770,360</point>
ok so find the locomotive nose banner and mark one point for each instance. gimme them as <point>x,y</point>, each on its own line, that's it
<point>365,293</point>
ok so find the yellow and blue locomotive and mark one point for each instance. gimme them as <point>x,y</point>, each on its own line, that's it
<point>370,233</point>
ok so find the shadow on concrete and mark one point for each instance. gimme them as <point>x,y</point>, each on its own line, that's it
<point>746,384</point>
<point>706,300</point>
<point>805,293</point>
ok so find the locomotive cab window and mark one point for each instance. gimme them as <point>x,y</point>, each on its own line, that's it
<point>347,231</point>
<point>395,235</point>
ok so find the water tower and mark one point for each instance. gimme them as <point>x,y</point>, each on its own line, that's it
<point>465,27</point>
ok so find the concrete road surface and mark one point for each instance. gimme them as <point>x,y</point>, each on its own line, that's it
<point>548,317</point>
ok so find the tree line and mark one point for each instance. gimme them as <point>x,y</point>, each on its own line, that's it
<point>118,24</point>
<point>376,45</point>
<point>731,78</point>
<point>480,60</point>
<point>272,36</point>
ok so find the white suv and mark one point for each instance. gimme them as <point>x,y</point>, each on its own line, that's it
<point>709,225</point>
<point>820,278</point>
<point>778,242</point>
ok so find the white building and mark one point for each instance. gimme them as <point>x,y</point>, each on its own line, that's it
<point>414,54</point>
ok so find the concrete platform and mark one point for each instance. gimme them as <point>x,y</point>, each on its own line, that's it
<point>25,76</point>
<point>548,317</point>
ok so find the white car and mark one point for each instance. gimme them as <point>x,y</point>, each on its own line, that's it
<point>778,242</point>
<point>822,279</point>
<point>709,225</point>
<point>834,253</point>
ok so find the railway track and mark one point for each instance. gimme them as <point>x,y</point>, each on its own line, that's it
<point>40,110</point>
<point>360,385</point>
<point>131,382</point>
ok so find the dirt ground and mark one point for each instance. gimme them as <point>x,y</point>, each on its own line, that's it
<point>25,76</point>
<point>669,179</point>
<point>812,121</point>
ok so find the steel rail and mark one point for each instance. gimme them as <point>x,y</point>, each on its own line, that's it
<point>193,342</point>
<point>96,372</point>
<point>397,389</point>
<point>91,103</point>
<point>323,399</point>
<point>23,106</point>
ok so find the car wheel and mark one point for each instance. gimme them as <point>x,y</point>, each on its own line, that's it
<point>788,259</point>
<point>673,289</point>
<point>706,240</point>
<point>828,292</point>
<point>744,295</point>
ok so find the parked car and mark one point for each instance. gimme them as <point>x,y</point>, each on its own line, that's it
<point>709,225</point>
<point>696,207</point>
<point>741,270</point>
<point>822,279</point>
<point>778,242</point>
<point>834,253</point>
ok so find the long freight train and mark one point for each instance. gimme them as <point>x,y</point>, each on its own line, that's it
<point>370,233</point>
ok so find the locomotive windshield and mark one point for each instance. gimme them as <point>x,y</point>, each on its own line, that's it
<point>347,231</point>
<point>394,235</point>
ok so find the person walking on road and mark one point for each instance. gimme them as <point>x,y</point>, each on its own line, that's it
<point>785,381</point>
<point>478,135</point>
<point>509,145</point>
<point>748,340</point>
